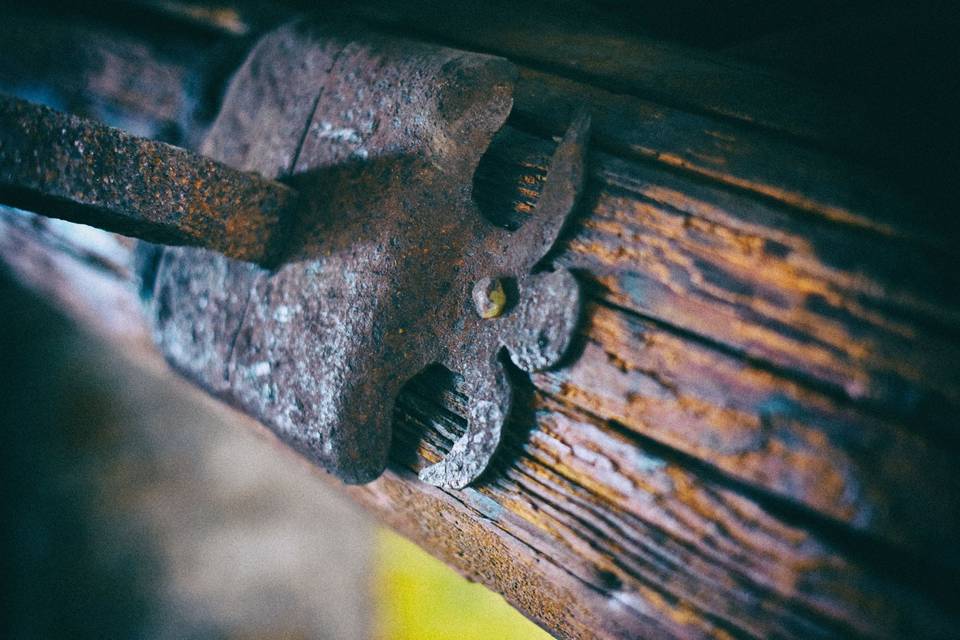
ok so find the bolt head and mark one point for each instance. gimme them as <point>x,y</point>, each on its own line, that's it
<point>489,298</point>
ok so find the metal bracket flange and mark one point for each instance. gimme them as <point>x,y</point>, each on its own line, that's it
<point>390,265</point>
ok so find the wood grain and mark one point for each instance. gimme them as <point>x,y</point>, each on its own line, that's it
<point>756,436</point>
<point>586,527</point>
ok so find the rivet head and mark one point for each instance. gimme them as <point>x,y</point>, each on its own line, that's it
<point>489,298</point>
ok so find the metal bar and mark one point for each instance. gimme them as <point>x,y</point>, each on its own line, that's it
<point>66,167</point>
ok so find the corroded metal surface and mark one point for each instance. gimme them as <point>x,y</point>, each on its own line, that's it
<point>388,247</point>
<point>386,264</point>
<point>71,168</point>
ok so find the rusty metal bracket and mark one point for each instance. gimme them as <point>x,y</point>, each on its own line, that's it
<point>70,168</point>
<point>388,266</point>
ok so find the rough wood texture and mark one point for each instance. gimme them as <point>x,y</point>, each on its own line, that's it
<point>757,437</point>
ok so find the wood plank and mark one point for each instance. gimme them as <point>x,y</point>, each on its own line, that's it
<point>755,439</point>
<point>744,372</point>
<point>694,256</point>
<point>801,177</point>
<point>669,93</point>
<point>569,44</point>
<point>587,529</point>
<point>667,101</point>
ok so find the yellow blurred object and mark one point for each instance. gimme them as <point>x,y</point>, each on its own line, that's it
<point>419,598</point>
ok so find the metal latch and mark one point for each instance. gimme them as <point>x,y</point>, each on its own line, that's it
<point>313,300</point>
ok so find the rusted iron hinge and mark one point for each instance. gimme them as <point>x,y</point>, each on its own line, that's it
<point>311,301</point>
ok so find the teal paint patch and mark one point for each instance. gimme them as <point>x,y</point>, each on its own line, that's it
<point>486,506</point>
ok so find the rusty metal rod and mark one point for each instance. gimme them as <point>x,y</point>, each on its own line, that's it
<point>62,166</point>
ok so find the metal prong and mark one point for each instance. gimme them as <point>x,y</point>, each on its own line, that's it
<point>66,167</point>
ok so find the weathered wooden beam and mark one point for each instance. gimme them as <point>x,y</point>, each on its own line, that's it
<point>756,438</point>
<point>589,529</point>
<point>665,253</point>
<point>580,43</point>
